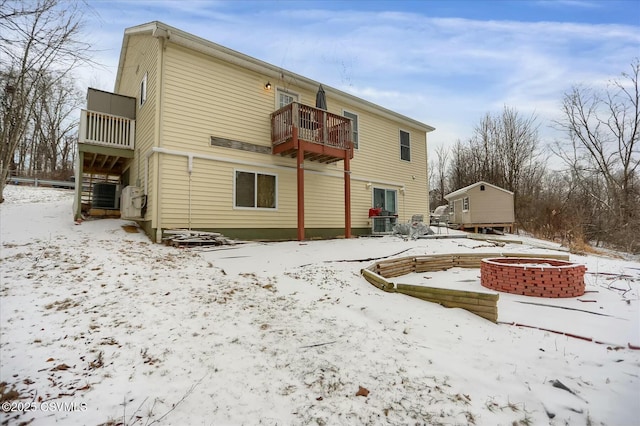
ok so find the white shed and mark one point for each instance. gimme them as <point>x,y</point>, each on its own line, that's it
<point>482,205</point>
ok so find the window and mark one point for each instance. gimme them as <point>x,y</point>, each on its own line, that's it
<point>285,97</point>
<point>255,190</point>
<point>465,204</point>
<point>385,198</point>
<point>354,126</point>
<point>405,146</point>
<point>143,90</point>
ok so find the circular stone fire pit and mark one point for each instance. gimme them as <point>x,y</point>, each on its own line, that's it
<point>533,277</point>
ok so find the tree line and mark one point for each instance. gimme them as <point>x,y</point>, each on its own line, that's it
<point>40,46</point>
<point>595,196</point>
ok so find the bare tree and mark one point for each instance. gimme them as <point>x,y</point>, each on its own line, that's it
<point>503,147</point>
<point>484,147</point>
<point>516,148</point>
<point>603,153</point>
<point>503,151</point>
<point>462,169</point>
<point>438,176</point>
<point>54,125</point>
<point>40,44</point>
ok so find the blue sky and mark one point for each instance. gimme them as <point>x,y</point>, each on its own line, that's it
<point>445,63</point>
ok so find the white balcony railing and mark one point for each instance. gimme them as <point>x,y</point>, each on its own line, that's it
<point>98,128</point>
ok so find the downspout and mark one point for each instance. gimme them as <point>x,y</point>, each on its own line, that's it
<point>404,206</point>
<point>426,168</point>
<point>162,36</point>
<point>146,171</point>
<point>77,203</point>
<point>189,170</point>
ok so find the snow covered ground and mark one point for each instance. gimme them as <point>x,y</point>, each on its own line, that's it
<point>101,326</point>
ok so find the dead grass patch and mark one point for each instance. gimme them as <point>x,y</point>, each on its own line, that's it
<point>131,229</point>
<point>581,247</point>
<point>7,394</point>
<point>62,305</point>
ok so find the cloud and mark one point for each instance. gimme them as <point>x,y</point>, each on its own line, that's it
<point>448,70</point>
<point>581,4</point>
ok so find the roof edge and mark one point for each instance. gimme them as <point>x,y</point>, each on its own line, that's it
<point>473,185</point>
<point>180,37</point>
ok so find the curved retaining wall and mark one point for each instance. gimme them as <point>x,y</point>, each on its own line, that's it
<point>481,304</point>
<point>533,276</point>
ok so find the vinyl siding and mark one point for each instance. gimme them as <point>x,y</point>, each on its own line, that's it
<point>488,206</point>
<point>142,57</point>
<point>361,202</point>
<point>378,159</point>
<point>205,97</point>
<point>212,196</point>
<point>324,201</point>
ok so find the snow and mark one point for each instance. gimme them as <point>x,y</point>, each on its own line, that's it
<point>124,331</point>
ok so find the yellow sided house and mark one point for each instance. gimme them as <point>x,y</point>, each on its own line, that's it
<point>199,136</point>
<point>481,205</point>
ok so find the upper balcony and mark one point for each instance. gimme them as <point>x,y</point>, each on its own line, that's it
<point>105,142</point>
<point>328,136</point>
<point>108,130</point>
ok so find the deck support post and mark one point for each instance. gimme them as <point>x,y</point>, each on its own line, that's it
<point>300,180</point>
<point>77,214</point>
<point>347,195</point>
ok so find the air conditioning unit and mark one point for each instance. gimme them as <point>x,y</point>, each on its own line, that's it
<point>383,224</point>
<point>105,196</point>
<point>133,200</point>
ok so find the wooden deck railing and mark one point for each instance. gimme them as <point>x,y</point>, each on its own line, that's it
<point>314,125</point>
<point>98,128</point>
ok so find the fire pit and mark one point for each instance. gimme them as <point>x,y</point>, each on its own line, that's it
<point>533,277</point>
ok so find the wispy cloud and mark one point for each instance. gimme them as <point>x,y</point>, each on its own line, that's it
<point>585,4</point>
<point>446,72</point>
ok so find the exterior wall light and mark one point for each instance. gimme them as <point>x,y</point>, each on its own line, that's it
<point>267,86</point>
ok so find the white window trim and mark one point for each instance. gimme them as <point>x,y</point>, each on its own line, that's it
<point>288,92</point>
<point>255,195</point>
<point>373,196</point>
<point>357,148</point>
<point>400,144</point>
<point>467,209</point>
<point>143,90</point>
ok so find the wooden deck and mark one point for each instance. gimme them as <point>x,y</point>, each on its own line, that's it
<point>324,137</point>
<point>506,227</point>
<point>307,133</point>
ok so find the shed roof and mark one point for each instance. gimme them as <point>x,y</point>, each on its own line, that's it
<point>175,35</point>
<point>466,189</point>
